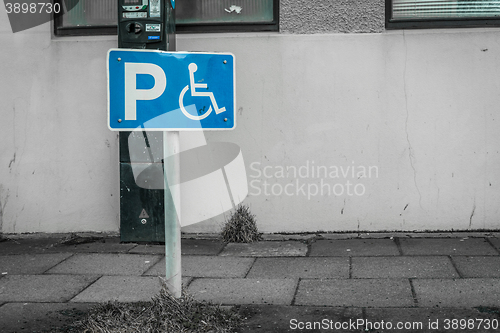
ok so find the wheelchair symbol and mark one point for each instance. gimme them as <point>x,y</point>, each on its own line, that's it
<point>192,69</point>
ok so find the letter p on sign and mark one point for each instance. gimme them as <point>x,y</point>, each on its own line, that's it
<point>132,94</point>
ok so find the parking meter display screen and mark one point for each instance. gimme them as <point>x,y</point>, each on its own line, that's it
<point>133,2</point>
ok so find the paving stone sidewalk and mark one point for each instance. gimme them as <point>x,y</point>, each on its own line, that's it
<point>306,276</point>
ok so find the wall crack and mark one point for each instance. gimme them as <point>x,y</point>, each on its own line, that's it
<point>472,214</point>
<point>3,203</point>
<point>13,160</point>
<point>410,148</point>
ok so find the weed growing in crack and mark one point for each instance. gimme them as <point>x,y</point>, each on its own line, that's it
<point>241,227</point>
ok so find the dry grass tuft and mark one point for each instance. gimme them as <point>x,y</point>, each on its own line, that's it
<point>163,314</point>
<point>241,227</point>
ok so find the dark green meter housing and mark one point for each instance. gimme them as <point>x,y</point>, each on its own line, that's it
<point>146,24</point>
<point>143,24</point>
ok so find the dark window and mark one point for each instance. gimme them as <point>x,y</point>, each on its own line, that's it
<point>401,14</point>
<point>99,17</point>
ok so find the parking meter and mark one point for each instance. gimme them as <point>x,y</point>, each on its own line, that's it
<point>142,24</point>
<point>146,24</point>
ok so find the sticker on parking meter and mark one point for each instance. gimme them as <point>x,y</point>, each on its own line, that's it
<point>26,14</point>
<point>135,15</point>
<point>153,27</point>
<point>154,9</point>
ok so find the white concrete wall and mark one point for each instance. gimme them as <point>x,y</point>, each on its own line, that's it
<point>58,169</point>
<point>420,107</point>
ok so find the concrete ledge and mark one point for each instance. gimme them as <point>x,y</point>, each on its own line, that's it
<point>266,249</point>
<point>29,245</point>
<point>285,237</point>
<point>444,246</point>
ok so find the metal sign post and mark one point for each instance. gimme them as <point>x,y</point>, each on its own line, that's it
<point>171,150</point>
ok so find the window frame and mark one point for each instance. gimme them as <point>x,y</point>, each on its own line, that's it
<point>180,28</point>
<point>391,24</point>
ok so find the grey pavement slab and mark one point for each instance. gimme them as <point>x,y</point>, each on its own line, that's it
<point>428,319</point>
<point>30,263</point>
<point>244,291</point>
<point>29,245</point>
<point>355,292</point>
<point>461,293</point>
<point>148,249</point>
<point>354,247</point>
<point>188,247</point>
<point>38,317</point>
<point>201,246</point>
<point>42,288</point>
<point>186,281</point>
<point>105,245</point>
<point>495,242</point>
<point>300,267</point>
<point>208,266</point>
<point>106,264</point>
<point>469,267</point>
<point>266,249</point>
<point>281,318</point>
<point>447,246</point>
<point>403,267</point>
<point>122,289</point>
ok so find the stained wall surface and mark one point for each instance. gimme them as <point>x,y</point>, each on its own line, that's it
<point>343,125</point>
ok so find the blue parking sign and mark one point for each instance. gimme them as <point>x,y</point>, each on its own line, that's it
<point>161,91</point>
